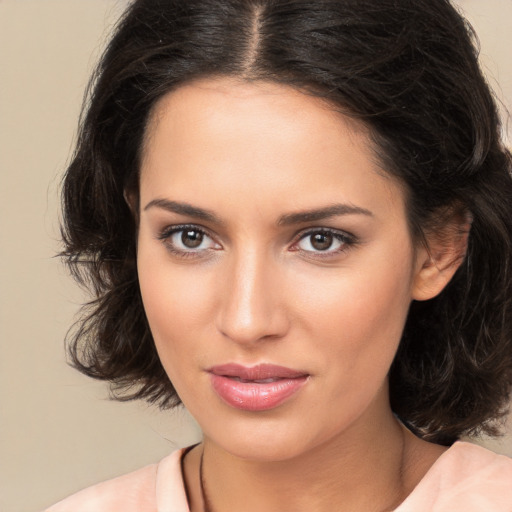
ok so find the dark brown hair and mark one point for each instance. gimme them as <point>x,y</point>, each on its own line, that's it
<point>408,70</point>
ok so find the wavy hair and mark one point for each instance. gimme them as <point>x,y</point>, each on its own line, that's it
<point>408,69</point>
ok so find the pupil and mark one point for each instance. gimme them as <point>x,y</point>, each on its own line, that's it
<point>192,239</point>
<point>321,241</point>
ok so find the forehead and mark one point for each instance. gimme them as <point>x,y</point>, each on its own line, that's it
<point>226,104</point>
<point>223,133</point>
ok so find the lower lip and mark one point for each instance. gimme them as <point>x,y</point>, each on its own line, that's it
<point>252,396</point>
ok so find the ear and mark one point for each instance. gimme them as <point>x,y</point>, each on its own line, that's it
<point>441,255</point>
<point>132,200</point>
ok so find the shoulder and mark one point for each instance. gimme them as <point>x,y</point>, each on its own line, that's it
<point>466,478</point>
<point>139,491</point>
<point>133,491</point>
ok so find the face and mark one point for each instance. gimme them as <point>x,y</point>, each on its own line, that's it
<point>275,264</point>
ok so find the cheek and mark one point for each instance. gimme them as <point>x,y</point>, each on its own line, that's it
<point>354,329</point>
<point>357,315</point>
<point>178,304</point>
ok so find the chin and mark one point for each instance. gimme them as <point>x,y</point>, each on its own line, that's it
<point>266,439</point>
<point>263,450</point>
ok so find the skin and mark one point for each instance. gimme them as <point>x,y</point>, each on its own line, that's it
<point>256,290</point>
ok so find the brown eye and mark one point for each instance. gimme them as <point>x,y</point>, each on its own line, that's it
<point>325,241</point>
<point>321,241</point>
<point>191,238</point>
<point>188,240</point>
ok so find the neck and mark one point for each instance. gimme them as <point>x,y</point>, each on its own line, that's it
<point>366,468</point>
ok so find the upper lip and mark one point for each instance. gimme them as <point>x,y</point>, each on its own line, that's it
<point>258,372</point>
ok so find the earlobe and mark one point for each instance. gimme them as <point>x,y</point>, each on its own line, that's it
<point>437,262</point>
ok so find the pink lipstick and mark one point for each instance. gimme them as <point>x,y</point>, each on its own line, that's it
<point>257,388</point>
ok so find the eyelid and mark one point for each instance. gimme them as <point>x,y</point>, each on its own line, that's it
<point>167,231</point>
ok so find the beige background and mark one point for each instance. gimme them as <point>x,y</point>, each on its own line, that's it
<point>58,431</point>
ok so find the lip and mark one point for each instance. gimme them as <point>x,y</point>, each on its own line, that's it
<point>256,388</point>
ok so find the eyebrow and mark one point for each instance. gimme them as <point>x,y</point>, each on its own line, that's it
<point>285,220</point>
<point>322,214</point>
<point>184,209</point>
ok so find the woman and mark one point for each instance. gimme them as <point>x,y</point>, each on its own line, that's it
<point>295,219</point>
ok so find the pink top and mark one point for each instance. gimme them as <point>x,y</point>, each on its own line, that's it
<point>466,478</point>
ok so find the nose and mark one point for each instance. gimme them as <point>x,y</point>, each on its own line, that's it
<point>253,303</point>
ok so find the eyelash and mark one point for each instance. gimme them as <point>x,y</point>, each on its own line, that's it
<point>167,233</point>
<point>346,240</point>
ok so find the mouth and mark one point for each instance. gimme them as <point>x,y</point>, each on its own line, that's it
<point>256,381</point>
<point>256,388</point>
